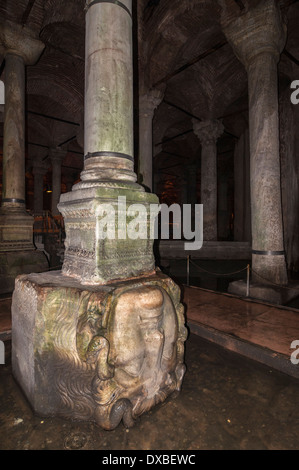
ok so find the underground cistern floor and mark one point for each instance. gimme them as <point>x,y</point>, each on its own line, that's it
<point>227,402</point>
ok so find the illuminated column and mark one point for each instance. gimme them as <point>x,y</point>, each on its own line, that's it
<point>257,38</point>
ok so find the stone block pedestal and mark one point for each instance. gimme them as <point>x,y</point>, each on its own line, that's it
<point>105,353</point>
<point>94,257</point>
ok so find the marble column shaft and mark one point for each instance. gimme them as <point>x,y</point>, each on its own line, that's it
<point>14,133</point>
<point>242,217</point>
<point>208,132</point>
<point>258,38</point>
<point>148,102</point>
<point>108,118</point>
<point>19,48</point>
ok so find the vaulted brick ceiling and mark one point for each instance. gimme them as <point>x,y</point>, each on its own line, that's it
<point>181,50</point>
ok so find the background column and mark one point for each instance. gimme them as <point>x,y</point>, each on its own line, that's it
<point>39,170</point>
<point>258,38</point>
<point>208,132</point>
<point>19,49</point>
<point>242,218</point>
<point>18,254</point>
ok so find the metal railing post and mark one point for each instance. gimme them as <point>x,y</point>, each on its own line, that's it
<point>248,280</point>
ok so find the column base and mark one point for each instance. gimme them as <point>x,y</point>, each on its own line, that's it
<point>265,293</point>
<point>97,353</point>
<point>18,254</point>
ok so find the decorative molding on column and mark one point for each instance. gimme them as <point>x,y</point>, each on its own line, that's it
<point>259,30</point>
<point>208,131</point>
<point>19,40</point>
<point>113,2</point>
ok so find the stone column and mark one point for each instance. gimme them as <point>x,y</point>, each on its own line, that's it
<point>190,189</point>
<point>257,39</point>
<point>242,218</point>
<point>57,155</point>
<point>190,179</point>
<point>39,170</point>
<point>20,48</point>
<point>148,102</point>
<point>208,132</point>
<point>109,160</point>
<point>108,116</point>
<point>13,189</point>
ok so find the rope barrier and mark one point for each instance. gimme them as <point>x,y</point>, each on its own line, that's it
<point>248,268</point>
<point>218,274</point>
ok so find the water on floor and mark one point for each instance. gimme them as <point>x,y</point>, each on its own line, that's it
<point>226,402</point>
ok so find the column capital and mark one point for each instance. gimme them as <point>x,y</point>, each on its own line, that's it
<point>18,40</point>
<point>260,30</point>
<point>149,101</point>
<point>208,131</point>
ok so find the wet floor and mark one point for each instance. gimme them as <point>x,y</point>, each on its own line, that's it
<point>227,402</point>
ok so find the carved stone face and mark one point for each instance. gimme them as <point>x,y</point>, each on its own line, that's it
<point>142,336</point>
